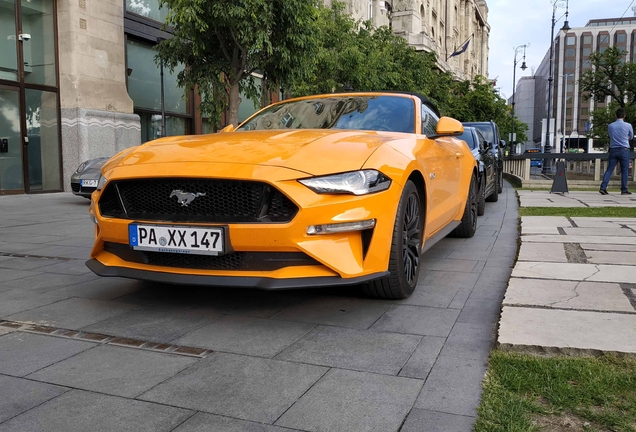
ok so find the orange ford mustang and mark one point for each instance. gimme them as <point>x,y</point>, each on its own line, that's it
<point>335,189</point>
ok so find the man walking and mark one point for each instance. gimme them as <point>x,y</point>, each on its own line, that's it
<point>619,133</point>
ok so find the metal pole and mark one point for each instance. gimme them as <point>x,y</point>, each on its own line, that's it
<point>548,147</point>
<point>514,88</point>
<point>163,105</point>
<point>565,93</point>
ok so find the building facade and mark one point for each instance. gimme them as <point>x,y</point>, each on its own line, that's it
<point>570,112</point>
<point>440,26</point>
<point>524,110</point>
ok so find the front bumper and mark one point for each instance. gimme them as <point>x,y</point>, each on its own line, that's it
<point>340,259</point>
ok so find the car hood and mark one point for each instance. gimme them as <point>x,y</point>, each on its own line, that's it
<point>314,152</point>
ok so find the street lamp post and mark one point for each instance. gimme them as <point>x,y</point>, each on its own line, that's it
<point>523,67</point>
<point>547,163</point>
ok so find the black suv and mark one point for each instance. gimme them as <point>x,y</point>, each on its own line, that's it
<point>487,167</point>
<point>490,131</point>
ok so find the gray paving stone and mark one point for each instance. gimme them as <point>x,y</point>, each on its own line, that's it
<point>568,330</point>
<point>72,267</point>
<point>611,257</point>
<point>201,422</point>
<point>44,283</point>
<point>470,341</point>
<point>246,335</point>
<point>114,370</point>
<point>417,320</point>
<point>79,253</point>
<point>598,231</point>
<point>25,263</point>
<point>360,350</point>
<point>470,254</point>
<point>423,359</point>
<point>80,411</point>
<point>455,265</point>
<point>353,401</point>
<point>247,388</point>
<point>567,295</point>
<point>101,289</point>
<point>450,279</point>
<point>338,311</point>
<point>431,295</point>
<point>73,313</point>
<point>423,420</point>
<point>608,247</point>
<point>498,273</point>
<point>545,252</point>
<point>154,325</point>
<point>486,288</point>
<point>18,395</point>
<point>17,300</point>
<point>12,274</point>
<point>24,353</point>
<point>480,311</point>
<point>453,386</point>
<point>460,299</point>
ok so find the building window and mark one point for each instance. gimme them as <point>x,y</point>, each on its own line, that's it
<point>148,8</point>
<point>570,52</point>
<point>587,40</point>
<point>621,38</point>
<point>570,88</point>
<point>570,40</point>
<point>569,64</point>
<point>586,52</point>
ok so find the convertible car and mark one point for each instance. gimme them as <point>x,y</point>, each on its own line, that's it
<point>336,189</point>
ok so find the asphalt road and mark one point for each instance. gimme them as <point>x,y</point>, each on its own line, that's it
<point>79,352</point>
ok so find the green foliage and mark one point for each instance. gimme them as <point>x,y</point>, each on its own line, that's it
<point>224,41</point>
<point>619,212</point>
<point>353,53</point>
<point>610,76</point>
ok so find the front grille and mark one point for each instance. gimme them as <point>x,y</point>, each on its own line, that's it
<point>252,261</point>
<point>75,187</point>
<point>219,201</point>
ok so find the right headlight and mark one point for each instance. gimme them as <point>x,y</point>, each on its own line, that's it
<point>81,168</point>
<point>361,182</point>
<point>102,181</point>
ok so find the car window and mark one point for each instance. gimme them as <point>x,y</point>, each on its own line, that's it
<point>469,138</point>
<point>376,113</point>
<point>486,131</point>
<point>429,121</point>
<point>481,139</point>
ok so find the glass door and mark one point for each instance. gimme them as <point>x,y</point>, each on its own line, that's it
<point>30,155</point>
<point>11,168</point>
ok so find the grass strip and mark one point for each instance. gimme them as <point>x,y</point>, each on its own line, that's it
<point>531,393</point>
<point>620,212</point>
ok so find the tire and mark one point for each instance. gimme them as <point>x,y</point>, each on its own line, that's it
<point>406,246</point>
<point>500,181</point>
<point>494,196</point>
<point>468,225</point>
<point>481,202</point>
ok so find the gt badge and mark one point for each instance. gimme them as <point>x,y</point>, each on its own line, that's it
<point>185,198</point>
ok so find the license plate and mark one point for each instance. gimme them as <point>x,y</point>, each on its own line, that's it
<point>88,183</point>
<point>177,239</point>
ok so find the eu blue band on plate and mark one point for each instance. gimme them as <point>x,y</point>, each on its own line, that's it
<point>132,235</point>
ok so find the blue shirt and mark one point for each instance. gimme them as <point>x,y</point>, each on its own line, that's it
<point>620,133</point>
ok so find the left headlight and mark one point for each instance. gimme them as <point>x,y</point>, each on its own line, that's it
<point>102,181</point>
<point>81,168</point>
<point>355,182</point>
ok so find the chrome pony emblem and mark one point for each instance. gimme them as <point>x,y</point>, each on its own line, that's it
<point>185,198</point>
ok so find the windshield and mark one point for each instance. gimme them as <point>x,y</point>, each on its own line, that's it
<point>486,131</point>
<point>468,137</point>
<point>375,113</point>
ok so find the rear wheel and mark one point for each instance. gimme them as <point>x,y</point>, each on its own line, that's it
<point>404,259</point>
<point>481,203</point>
<point>500,181</point>
<point>468,225</point>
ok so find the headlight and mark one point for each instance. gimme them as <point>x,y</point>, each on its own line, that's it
<point>356,183</point>
<point>81,168</point>
<point>102,181</point>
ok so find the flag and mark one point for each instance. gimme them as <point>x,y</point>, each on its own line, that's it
<point>462,48</point>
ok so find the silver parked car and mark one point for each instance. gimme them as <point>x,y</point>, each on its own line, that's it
<point>84,179</point>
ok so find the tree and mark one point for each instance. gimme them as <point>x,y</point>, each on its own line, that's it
<point>354,53</point>
<point>223,42</point>
<point>610,76</point>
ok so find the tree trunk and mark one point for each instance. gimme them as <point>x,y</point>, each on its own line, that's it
<point>235,100</point>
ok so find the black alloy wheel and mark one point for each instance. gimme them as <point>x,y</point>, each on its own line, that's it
<point>500,181</point>
<point>406,247</point>
<point>468,224</point>
<point>481,202</point>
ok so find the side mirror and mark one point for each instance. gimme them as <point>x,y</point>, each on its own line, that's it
<point>502,143</point>
<point>488,145</point>
<point>447,126</point>
<point>228,128</point>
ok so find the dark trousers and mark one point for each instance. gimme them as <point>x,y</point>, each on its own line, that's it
<point>617,155</point>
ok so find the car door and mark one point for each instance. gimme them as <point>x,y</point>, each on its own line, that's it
<point>442,174</point>
<point>488,160</point>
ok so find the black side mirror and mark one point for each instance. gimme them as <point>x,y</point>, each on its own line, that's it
<point>488,145</point>
<point>502,143</point>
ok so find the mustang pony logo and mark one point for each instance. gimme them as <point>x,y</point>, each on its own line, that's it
<point>185,198</point>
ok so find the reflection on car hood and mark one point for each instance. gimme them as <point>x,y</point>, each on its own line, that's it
<point>314,152</point>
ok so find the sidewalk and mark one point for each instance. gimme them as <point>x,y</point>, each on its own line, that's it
<point>573,288</point>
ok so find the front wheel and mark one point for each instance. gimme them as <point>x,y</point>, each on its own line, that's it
<point>500,181</point>
<point>481,202</point>
<point>468,225</point>
<point>406,245</point>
